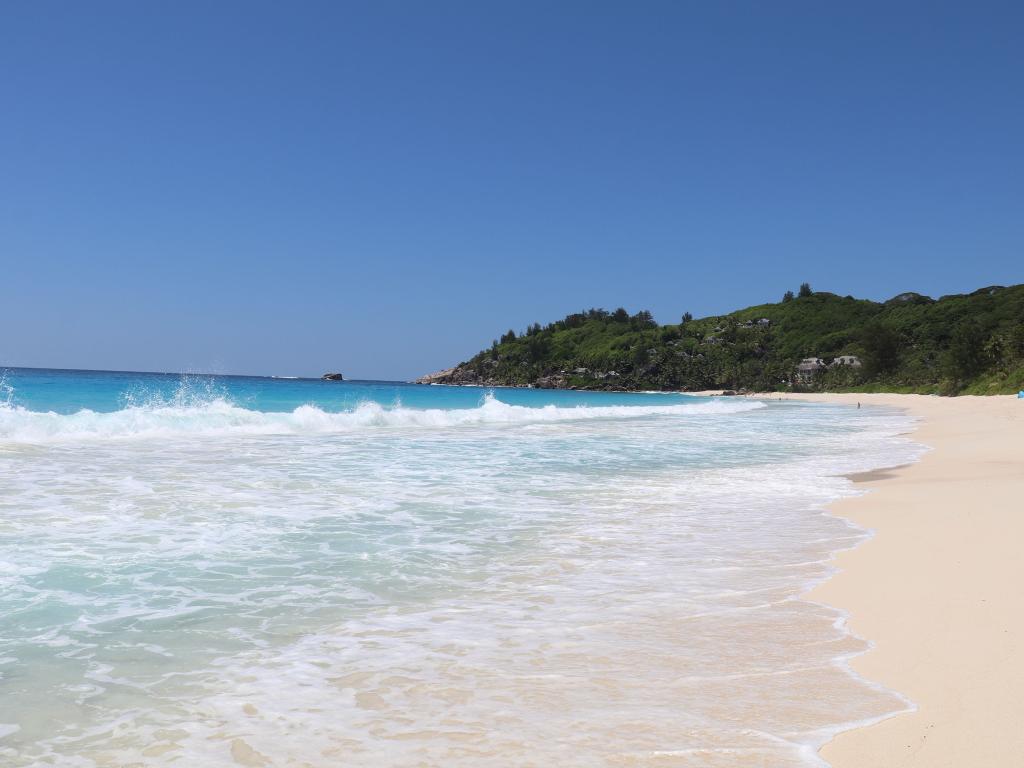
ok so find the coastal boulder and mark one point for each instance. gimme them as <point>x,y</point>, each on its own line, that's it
<point>440,377</point>
<point>551,382</point>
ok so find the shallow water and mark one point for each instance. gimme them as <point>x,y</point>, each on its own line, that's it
<point>216,571</point>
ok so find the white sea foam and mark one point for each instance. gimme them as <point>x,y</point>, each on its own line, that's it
<point>396,587</point>
<point>219,417</point>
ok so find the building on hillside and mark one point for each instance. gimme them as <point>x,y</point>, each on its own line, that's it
<point>809,368</point>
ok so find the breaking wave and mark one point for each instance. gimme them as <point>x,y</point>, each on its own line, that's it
<point>219,416</point>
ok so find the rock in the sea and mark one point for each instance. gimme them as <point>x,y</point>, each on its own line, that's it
<point>332,377</point>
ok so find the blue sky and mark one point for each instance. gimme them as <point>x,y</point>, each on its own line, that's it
<point>382,188</point>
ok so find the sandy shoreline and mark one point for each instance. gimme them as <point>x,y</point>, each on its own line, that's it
<point>939,589</point>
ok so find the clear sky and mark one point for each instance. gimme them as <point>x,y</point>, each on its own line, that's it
<point>381,188</point>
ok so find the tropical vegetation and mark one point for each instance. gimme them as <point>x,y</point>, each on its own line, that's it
<point>969,343</point>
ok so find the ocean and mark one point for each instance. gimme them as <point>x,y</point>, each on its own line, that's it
<point>214,571</point>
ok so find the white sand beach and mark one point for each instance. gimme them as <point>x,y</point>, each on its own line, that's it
<point>939,589</point>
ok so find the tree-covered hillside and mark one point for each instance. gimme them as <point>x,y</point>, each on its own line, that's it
<point>971,343</point>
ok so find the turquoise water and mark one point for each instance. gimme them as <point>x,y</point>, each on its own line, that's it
<point>219,571</point>
<point>66,392</point>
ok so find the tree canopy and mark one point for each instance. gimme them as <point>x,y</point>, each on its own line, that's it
<point>961,343</point>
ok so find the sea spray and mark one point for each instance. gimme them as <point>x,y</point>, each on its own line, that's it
<point>219,417</point>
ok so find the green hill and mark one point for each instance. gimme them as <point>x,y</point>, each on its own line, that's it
<point>971,344</point>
